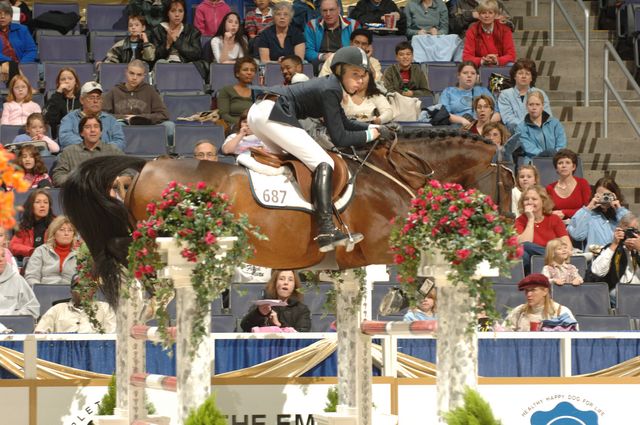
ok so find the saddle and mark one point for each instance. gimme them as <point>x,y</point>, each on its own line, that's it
<point>303,174</point>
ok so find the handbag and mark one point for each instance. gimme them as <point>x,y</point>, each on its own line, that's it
<point>63,22</point>
<point>499,82</point>
<point>404,108</point>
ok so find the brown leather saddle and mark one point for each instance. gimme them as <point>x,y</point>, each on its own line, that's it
<point>303,174</point>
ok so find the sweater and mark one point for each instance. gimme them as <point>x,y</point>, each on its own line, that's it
<point>255,21</point>
<point>16,296</point>
<point>541,141</point>
<point>478,44</point>
<point>417,83</point>
<point>365,111</point>
<point>418,18</point>
<point>513,109</point>
<point>314,33</point>
<point>551,227</point>
<point>209,15</point>
<point>231,105</point>
<point>44,267</point>
<point>143,101</point>
<point>579,198</point>
<point>14,113</point>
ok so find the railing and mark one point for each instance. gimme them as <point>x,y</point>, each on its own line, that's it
<point>609,49</point>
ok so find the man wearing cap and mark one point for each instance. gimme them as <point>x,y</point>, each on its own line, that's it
<point>90,130</point>
<point>91,101</point>
<point>538,306</point>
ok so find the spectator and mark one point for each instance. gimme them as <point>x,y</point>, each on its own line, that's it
<point>373,11</point>
<point>229,43</point>
<point>303,12</point>
<point>557,267</point>
<point>426,310</point>
<point>495,131</point>
<point>538,307</point>
<point>209,15</point>
<point>619,261</point>
<point>368,104</point>
<point>135,102</point>
<point>242,140</point>
<point>463,13</point>
<point>284,286</point>
<point>280,39</point>
<point>484,108</point>
<point>406,77</point>
<point>64,100</point>
<point>35,172</point>
<point>536,226</point>
<point>261,18</point>
<point>135,46</point>
<point>426,17</point>
<point>35,131</point>
<point>459,100</point>
<point>596,222</point>
<point>17,44</point>
<point>177,42</point>
<point>69,317</point>
<point>4,249</point>
<point>54,262</point>
<point>32,231</point>
<point>528,176</point>
<point>205,150</point>
<point>360,38</point>
<point>16,296</point>
<point>90,129</point>
<point>325,35</point>
<point>540,133</point>
<point>19,104</point>
<point>91,101</point>
<point>569,193</point>
<point>290,66</point>
<point>235,99</point>
<point>152,10</point>
<point>512,101</point>
<point>489,41</point>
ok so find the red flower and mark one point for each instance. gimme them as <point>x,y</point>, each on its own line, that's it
<point>148,269</point>
<point>398,259</point>
<point>210,238</point>
<point>464,231</point>
<point>219,222</point>
<point>512,241</point>
<point>519,251</point>
<point>201,185</point>
<point>409,250</point>
<point>151,233</point>
<point>498,229</point>
<point>435,184</point>
<point>189,212</point>
<point>392,221</point>
<point>443,220</point>
<point>151,208</point>
<point>453,208</point>
<point>172,184</point>
<point>490,217</point>
<point>136,235</point>
<point>468,212</point>
<point>462,254</point>
<point>138,274</point>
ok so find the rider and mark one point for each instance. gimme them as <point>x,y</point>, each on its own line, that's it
<point>274,119</point>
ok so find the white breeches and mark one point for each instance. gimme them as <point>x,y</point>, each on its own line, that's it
<point>281,137</point>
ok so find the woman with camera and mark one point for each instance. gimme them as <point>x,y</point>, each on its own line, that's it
<point>596,222</point>
<point>569,193</point>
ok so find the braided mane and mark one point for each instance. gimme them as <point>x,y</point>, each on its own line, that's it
<point>419,132</point>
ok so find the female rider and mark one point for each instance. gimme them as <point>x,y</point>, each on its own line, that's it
<point>274,119</point>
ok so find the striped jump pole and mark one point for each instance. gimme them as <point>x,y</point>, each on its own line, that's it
<point>154,382</point>
<point>419,327</point>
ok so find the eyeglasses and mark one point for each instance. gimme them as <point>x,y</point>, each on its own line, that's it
<point>203,155</point>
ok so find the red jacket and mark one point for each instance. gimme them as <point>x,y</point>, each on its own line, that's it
<point>21,244</point>
<point>478,44</point>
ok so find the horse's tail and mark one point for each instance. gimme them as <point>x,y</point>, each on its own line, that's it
<point>101,220</point>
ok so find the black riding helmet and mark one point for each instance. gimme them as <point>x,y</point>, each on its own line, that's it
<point>350,55</point>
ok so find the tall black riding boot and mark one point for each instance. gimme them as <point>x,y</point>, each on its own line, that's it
<point>321,189</point>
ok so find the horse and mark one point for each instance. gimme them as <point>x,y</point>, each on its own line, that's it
<point>383,189</point>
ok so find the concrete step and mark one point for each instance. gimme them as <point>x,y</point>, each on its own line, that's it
<point>542,36</point>
<point>611,161</point>
<point>575,81</point>
<point>624,178</point>
<point>593,113</point>
<point>541,22</point>
<point>588,130</point>
<point>576,97</point>
<point>606,146</point>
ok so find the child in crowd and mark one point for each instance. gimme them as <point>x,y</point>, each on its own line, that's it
<point>35,171</point>
<point>35,131</point>
<point>135,46</point>
<point>426,310</point>
<point>406,77</point>
<point>528,176</point>
<point>209,15</point>
<point>242,140</point>
<point>557,267</point>
<point>65,99</point>
<point>258,19</point>
<point>229,43</point>
<point>19,104</point>
<point>290,66</point>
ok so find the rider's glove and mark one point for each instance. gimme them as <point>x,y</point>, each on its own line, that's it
<point>386,132</point>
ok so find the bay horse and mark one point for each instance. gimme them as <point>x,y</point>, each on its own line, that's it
<point>105,223</point>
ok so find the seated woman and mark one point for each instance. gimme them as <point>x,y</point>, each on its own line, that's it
<point>281,39</point>
<point>368,104</point>
<point>596,222</point>
<point>536,226</point>
<point>512,101</point>
<point>426,310</point>
<point>32,231</point>
<point>489,41</point>
<point>234,100</point>
<point>484,108</point>
<point>426,17</point>
<point>569,193</point>
<point>229,42</point>
<point>284,285</point>
<point>459,100</point>
<point>538,307</point>
<point>406,77</point>
<point>540,134</point>
<point>54,262</point>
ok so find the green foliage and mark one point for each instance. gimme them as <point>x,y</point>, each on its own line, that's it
<point>108,402</point>
<point>332,400</point>
<point>206,414</point>
<point>87,285</point>
<point>475,411</point>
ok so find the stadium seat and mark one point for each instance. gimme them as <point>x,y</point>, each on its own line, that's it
<point>241,296</point>
<point>48,294</point>
<point>628,299</point>
<point>384,47</point>
<point>486,71</point>
<point>145,140</point>
<point>56,197</point>
<point>220,75</point>
<point>100,42</point>
<point>21,324</point>
<point>322,322</point>
<point>603,323</point>
<point>84,70</point>
<point>548,172</point>
<point>29,70</point>
<point>508,296</point>
<point>441,76</point>
<point>178,77</point>
<point>187,135</point>
<point>588,298</point>
<point>316,296</point>
<point>63,48</point>
<point>427,101</point>
<point>223,323</point>
<point>40,8</point>
<point>516,275</point>
<point>112,74</point>
<point>106,17</point>
<point>186,105</point>
<point>9,132</point>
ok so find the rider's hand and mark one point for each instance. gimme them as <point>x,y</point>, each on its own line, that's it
<point>386,133</point>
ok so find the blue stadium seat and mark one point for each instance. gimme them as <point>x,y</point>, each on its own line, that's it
<point>56,197</point>
<point>548,172</point>
<point>186,105</point>
<point>40,8</point>
<point>48,294</point>
<point>628,299</point>
<point>106,17</point>
<point>603,323</point>
<point>145,140</point>
<point>516,274</point>
<point>187,135</point>
<point>63,48</point>
<point>220,75</point>
<point>441,75</point>
<point>84,70</point>
<point>223,323</point>
<point>9,132</point>
<point>21,324</point>
<point>427,101</point>
<point>100,42</point>
<point>486,71</point>
<point>588,298</point>
<point>508,296</point>
<point>384,47</point>
<point>178,77</point>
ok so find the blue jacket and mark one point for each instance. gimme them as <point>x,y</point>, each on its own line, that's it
<point>593,227</point>
<point>513,109</point>
<point>22,43</point>
<point>314,31</point>
<point>460,102</point>
<point>541,141</point>
<point>112,133</point>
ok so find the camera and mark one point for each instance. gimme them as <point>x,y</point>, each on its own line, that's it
<point>607,198</point>
<point>630,232</point>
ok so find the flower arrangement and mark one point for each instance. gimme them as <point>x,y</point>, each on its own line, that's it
<point>10,176</point>
<point>197,217</point>
<point>86,285</point>
<point>465,227</point>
